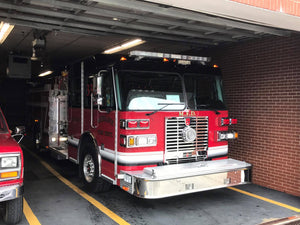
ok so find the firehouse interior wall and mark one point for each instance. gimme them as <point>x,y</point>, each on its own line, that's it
<point>262,89</point>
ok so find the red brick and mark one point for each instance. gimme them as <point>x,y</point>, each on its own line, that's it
<point>262,90</point>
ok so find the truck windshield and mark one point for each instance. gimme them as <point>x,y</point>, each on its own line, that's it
<point>140,90</point>
<point>204,91</point>
<point>3,127</point>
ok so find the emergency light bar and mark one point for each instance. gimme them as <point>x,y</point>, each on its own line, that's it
<point>169,56</point>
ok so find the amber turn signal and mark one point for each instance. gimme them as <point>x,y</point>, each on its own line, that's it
<point>9,174</point>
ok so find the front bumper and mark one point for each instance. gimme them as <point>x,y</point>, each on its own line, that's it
<point>11,192</point>
<point>171,180</point>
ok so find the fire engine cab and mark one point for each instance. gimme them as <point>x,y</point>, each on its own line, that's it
<point>154,124</point>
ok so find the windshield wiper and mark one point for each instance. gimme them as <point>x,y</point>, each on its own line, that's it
<point>164,106</point>
<point>209,107</point>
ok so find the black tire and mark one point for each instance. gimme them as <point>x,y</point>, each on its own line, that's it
<point>13,211</point>
<point>90,172</point>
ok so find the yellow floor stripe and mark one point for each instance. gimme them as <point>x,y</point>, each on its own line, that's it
<point>31,218</point>
<point>265,199</point>
<point>89,198</point>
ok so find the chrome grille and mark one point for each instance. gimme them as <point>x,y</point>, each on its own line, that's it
<point>178,151</point>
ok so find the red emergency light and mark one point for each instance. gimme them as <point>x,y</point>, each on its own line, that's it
<point>228,121</point>
<point>144,123</point>
<point>135,124</point>
<point>234,121</point>
<point>132,124</point>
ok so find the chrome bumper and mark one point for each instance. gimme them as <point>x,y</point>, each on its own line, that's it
<point>11,192</point>
<point>171,180</point>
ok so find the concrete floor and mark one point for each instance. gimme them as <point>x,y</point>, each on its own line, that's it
<point>54,203</point>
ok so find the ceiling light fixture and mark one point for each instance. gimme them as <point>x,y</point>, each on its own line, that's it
<point>5,29</point>
<point>124,46</point>
<point>46,73</point>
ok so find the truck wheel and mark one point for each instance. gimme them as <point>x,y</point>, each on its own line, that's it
<point>13,211</point>
<point>90,172</point>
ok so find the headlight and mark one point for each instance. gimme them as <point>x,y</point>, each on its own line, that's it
<point>9,162</point>
<point>63,139</point>
<point>145,140</point>
<point>10,166</point>
<point>227,135</point>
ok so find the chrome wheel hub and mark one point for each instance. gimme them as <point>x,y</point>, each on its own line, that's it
<point>88,168</point>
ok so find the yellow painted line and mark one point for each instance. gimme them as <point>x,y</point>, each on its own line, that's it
<point>31,218</point>
<point>89,198</point>
<point>265,199</point>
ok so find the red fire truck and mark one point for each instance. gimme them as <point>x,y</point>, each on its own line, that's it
<point>154,124</point>
<point>11,173</point>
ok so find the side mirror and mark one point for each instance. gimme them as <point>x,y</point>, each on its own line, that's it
<point>20,130</point>
<point>97,87</point>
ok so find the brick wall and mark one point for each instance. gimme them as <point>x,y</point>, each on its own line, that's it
<point>286,6</point>
<point>262,90</point>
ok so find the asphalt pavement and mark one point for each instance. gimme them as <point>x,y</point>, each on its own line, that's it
<point>55,196</point>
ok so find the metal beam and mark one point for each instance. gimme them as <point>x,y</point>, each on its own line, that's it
<point>51,24</point>
<point>89,20</point>
<point>145,18</point>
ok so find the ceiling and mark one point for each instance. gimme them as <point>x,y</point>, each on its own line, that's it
<point>75,29</point>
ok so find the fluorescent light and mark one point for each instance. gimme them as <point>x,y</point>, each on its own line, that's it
<point>5,29</point>
<point>46,73</point>
<point>113,50</point>
<point>132,43</point>
<point>124,46</point>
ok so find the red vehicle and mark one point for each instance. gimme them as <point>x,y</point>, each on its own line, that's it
<point>11,175</point>
<point>156,125</point>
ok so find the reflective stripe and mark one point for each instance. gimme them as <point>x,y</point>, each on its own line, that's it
<point>217,151</point>
<point>147,157</point>
<point>133,157</point>
<point>126,157</point>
